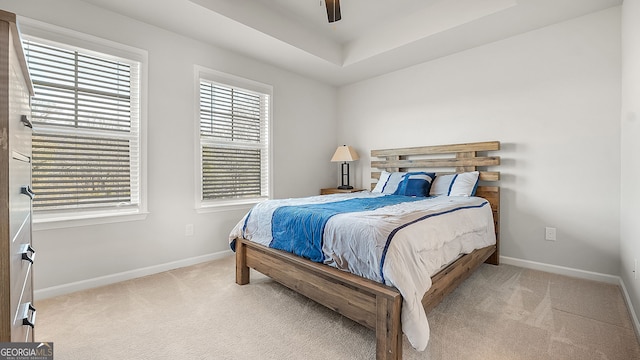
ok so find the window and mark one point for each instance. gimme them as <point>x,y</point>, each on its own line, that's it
<point>86,142</point>
<point>234,139</point>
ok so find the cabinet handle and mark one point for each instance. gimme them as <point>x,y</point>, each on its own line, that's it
<point>25,318</point>
<point>26,190</point>
<point>24,119</point>
<point>24,252</point>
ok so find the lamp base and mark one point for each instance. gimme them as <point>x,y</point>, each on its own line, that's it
<point>345,187</point>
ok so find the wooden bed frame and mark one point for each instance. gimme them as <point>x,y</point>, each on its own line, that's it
<point>367,302</point>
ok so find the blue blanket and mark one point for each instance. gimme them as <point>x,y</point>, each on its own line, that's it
<point>300,229</point>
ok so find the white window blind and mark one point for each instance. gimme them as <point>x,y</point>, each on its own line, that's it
<point>234,125</point>
<point>86,128</point>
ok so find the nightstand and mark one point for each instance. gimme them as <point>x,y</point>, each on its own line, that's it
<point>338,191</point>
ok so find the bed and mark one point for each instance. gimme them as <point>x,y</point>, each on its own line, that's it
<point>372,303</point>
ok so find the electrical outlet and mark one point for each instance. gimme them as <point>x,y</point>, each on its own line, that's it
<point>550,234</point>
<point>188,230</point>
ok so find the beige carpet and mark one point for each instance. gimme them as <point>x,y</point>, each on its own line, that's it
<point>199,312</point>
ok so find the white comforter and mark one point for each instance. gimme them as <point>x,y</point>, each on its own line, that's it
<point>426,235</point>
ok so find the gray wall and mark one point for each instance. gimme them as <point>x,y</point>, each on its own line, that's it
<point>552,97</point>
<point>630,149</point>
<point>304,131</point>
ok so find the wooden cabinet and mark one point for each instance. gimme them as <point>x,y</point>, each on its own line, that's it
<point>17,313</point>
<point>338,191</point>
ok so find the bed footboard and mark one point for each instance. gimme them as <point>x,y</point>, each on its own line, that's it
<point>366,302</point>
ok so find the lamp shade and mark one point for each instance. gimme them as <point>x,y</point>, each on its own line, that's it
<point>345,153</point>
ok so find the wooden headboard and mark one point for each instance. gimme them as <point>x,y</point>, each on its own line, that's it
<point>446,159</point>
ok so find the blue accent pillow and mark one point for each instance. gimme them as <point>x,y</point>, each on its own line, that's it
<point>415,184</point>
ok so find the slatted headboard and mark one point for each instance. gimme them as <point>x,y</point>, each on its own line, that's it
<point>443,159</point>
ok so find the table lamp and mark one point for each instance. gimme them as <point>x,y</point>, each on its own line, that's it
<point>345,154</point>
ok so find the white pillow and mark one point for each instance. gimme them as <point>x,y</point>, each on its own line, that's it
<point>461,184</point>
<point>388,182</point>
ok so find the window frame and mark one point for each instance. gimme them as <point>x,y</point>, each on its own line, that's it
<point>69,39</point>
<point>224,79</point>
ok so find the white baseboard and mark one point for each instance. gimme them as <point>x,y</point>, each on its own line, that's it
<point>634,318</point>
<point>561,270</point>
<point>127,275</point>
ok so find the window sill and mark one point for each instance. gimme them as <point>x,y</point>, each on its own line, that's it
<point>227,206</point>
<point>48,222</point>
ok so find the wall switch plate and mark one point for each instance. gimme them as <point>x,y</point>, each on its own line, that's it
<point>188,230</point>
<point>550,234</point>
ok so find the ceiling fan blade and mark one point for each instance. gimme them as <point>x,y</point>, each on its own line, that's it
<point>333,10</point>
